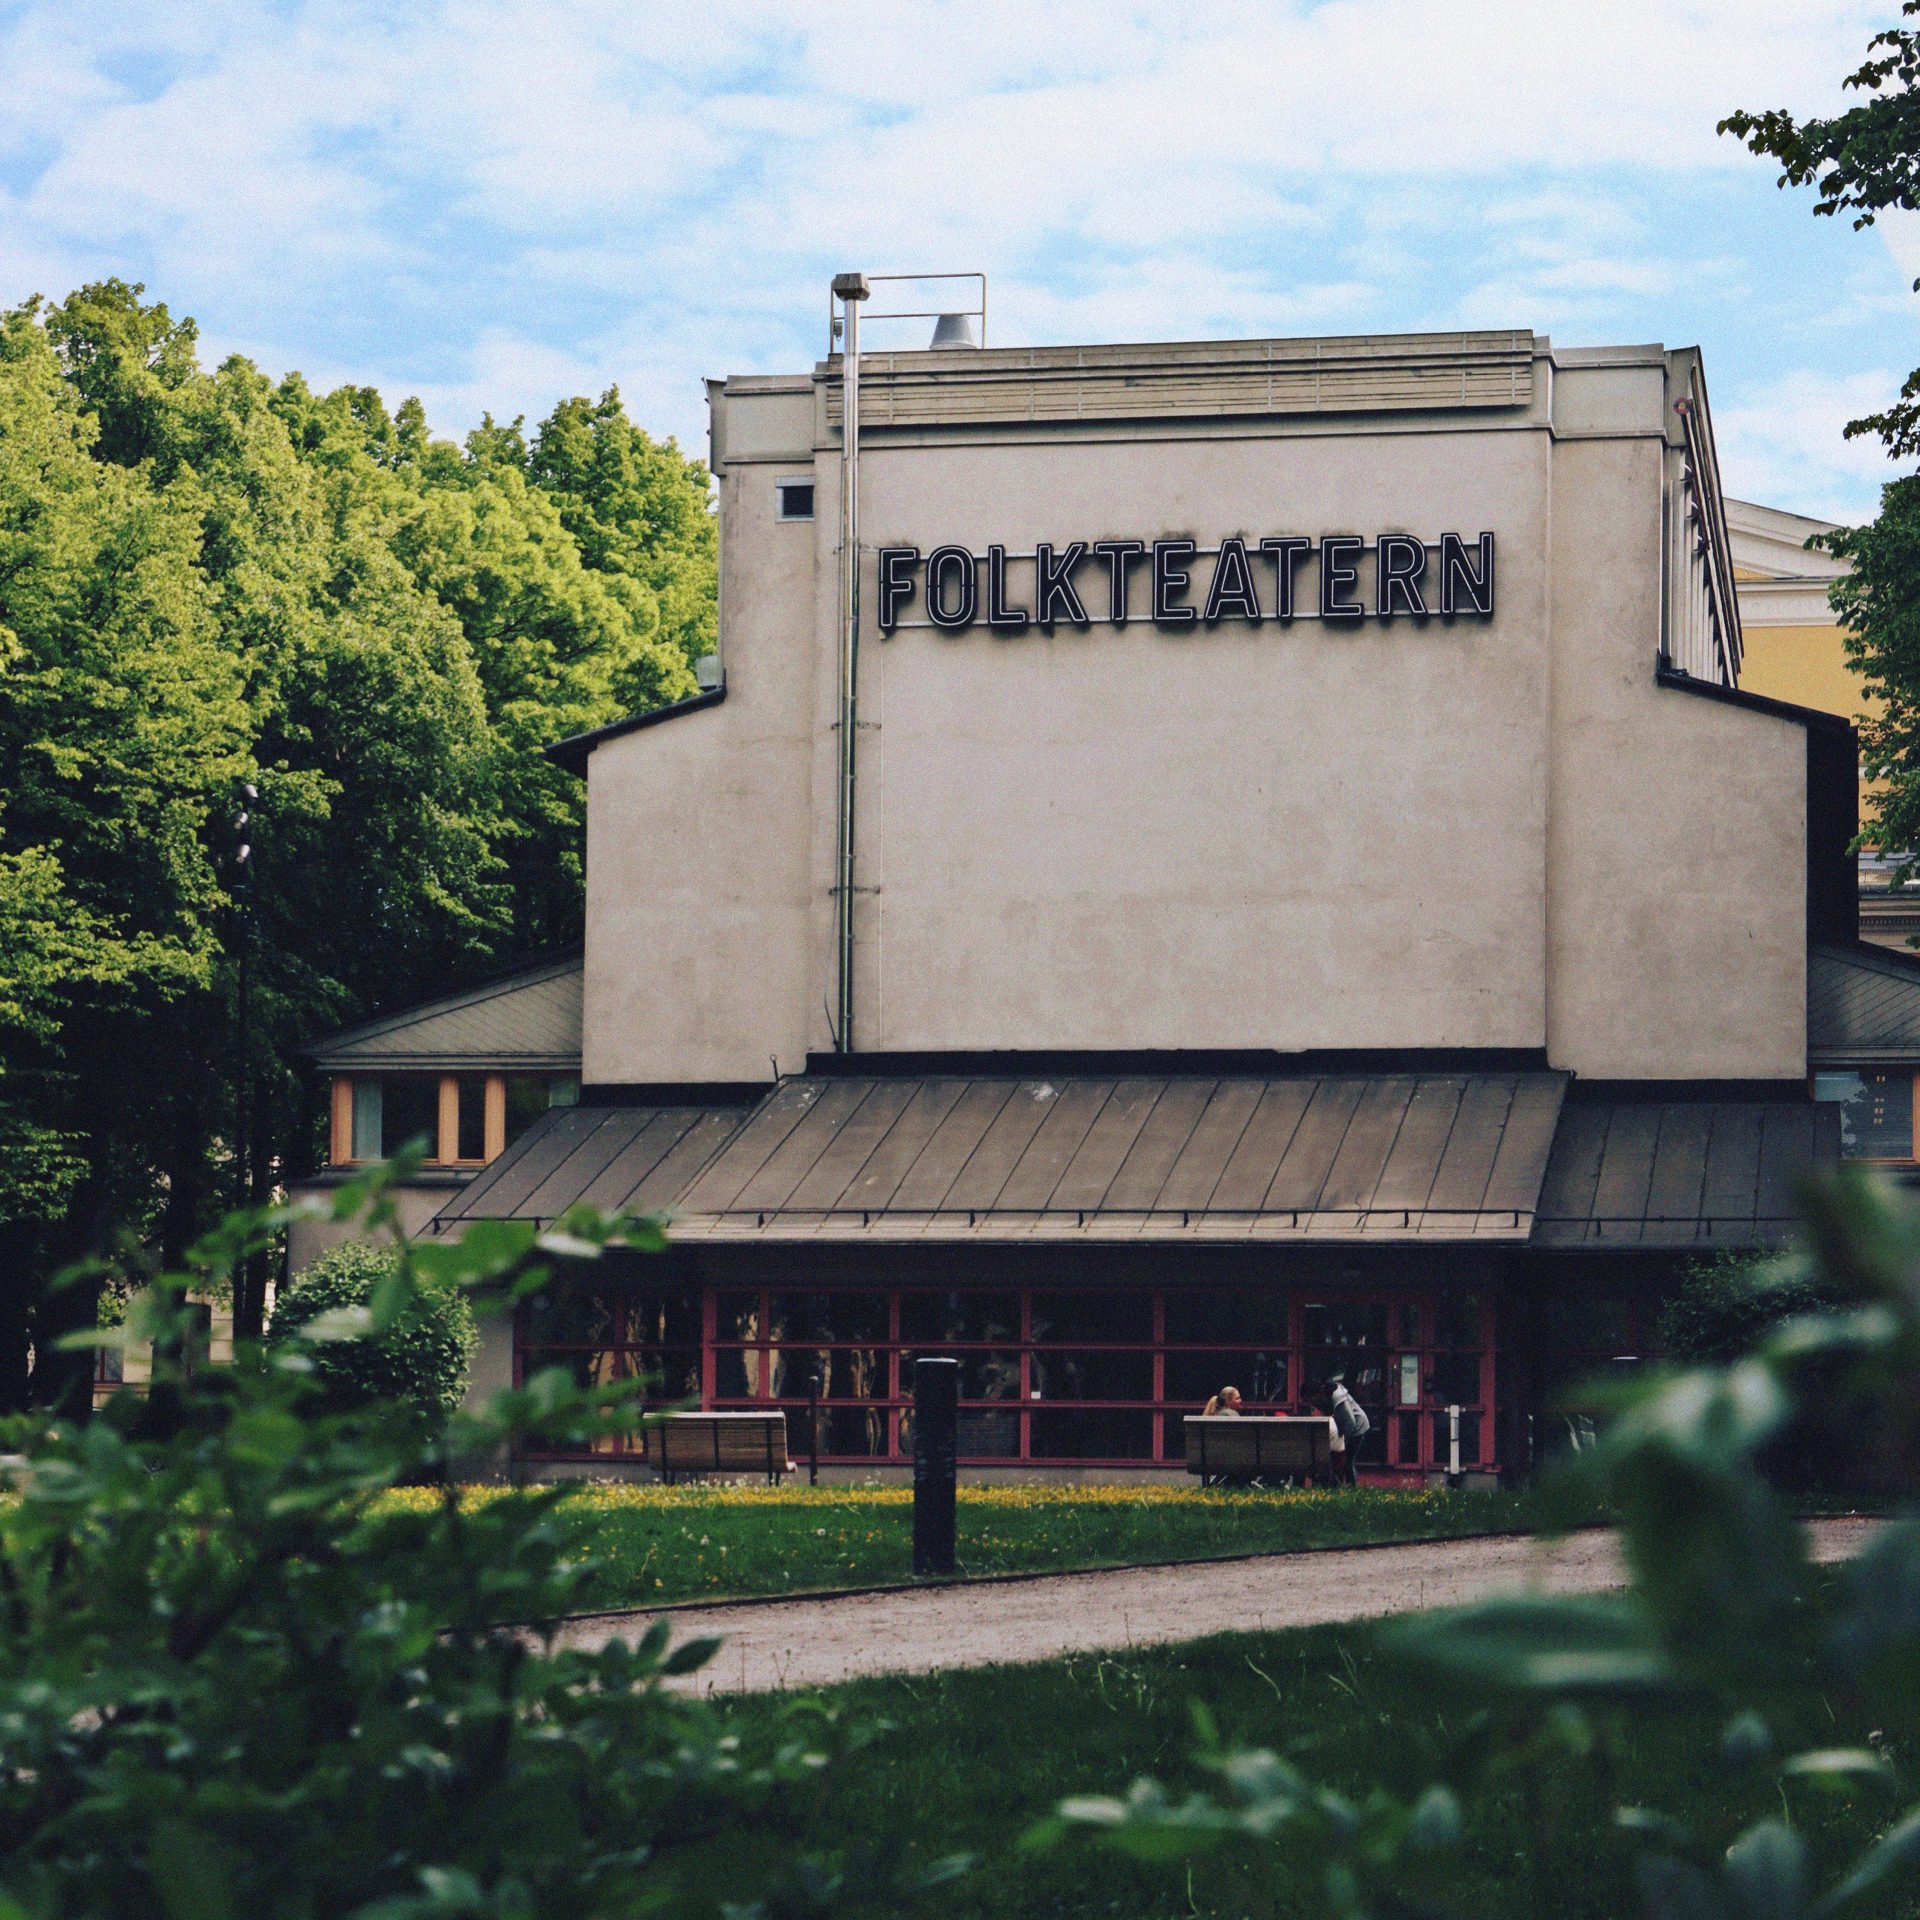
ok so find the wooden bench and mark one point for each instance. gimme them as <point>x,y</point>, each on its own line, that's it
<point>1249,1447</point>
<point>692,1443</point>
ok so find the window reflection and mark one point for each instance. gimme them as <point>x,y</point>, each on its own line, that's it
<point>1087,1382</point>
<point>1876,1111</point>
<point>959,1317</point>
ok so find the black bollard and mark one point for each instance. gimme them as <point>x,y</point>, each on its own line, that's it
<point>936,1423</point>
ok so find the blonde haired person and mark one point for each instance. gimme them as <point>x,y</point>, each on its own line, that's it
<point>1226,1401</point>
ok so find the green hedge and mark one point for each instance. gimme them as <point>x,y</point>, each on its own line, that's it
<point>422,1358</point>
<point>1723,1308</point>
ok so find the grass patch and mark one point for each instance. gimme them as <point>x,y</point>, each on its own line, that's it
<point>651,1545</point>
<point>973,1758</point>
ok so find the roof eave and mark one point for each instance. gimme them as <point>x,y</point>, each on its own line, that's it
<point>574,752</point>
<point>363,1033</point>
<point>370,1062</point>
<point>1809,717</point>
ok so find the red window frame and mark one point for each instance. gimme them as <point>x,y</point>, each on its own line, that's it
<point>1428,1454</point>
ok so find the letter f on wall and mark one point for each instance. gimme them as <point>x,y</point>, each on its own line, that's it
<point>896,583</point>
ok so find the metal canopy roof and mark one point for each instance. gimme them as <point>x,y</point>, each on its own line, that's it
<point>1704,1173</point>
<point>1004,1159</point>
<point>616,1159</point>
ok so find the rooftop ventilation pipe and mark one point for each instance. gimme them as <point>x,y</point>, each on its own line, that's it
<point>953,330</point>
<point>849,289</point>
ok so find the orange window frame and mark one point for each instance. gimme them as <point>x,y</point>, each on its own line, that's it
<point>493,1122</point>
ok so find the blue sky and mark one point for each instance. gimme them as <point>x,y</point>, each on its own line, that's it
<point>494,203</point>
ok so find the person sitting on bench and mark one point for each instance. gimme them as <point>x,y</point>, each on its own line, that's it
<point>1226,1401</point>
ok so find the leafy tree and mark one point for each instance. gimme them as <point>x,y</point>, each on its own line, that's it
<point>560,648</point>
<point>239,1677</point>
<point>1878,603</point>
<point>122,722</point>
<point>1863,162</point>
<point>1724,1607</point>
<point>419,1357</point>
<point>210,579</point>
<point>637,508</point>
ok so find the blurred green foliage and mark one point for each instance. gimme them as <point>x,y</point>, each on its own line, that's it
<point>1724,1612</point>
<point>236,1681</point>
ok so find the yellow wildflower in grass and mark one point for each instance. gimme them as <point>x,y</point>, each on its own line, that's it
<point>612,1496</point>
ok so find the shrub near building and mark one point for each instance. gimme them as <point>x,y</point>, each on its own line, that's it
<point>1725,1307</point>
<point>420,1359</point>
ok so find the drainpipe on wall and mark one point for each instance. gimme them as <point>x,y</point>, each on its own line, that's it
<point>849,289</point>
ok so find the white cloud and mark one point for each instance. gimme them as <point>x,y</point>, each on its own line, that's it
<point>457,192</point>
<point>1784,447</point>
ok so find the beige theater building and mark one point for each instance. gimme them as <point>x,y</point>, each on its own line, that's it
<point>1278,879</point>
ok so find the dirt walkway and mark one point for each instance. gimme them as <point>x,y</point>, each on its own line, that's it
<point>774,1644</point>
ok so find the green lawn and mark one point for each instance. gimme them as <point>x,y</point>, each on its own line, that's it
<point>973,1758</point>
<point>648,1544</point>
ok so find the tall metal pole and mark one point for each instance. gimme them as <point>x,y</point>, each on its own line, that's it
<point>248,1287</point>
<point>849,289</point>
<point>936,1435</point>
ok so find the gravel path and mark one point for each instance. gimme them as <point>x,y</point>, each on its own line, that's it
<point>772,1644</point>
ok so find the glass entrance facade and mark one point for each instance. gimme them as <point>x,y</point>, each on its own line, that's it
<point>1049,1376</point>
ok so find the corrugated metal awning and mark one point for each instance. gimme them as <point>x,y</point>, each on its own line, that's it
<point>1002,1159</point>
<point>1702,1173</point>
<point>616,1159</point>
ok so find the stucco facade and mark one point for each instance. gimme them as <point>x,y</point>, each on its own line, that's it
<point>1472,834</point>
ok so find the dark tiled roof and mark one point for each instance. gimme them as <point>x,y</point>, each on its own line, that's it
<point>1863,1006</point>
<point>1701,1173</point>
<point>528,1019</point>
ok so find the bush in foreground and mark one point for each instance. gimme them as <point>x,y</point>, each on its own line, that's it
<point>1724,1308</point>
<point>236,1683</point>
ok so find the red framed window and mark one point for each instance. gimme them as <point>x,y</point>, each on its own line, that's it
<point>1048,1375</point>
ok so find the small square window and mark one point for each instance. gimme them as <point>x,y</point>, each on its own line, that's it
<point>795,498</point>
<point>410,1110</point>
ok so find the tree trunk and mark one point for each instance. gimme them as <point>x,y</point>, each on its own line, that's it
<point>17,1267</point>
<point>61,1380</point>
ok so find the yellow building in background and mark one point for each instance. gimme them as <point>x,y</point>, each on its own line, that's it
<point>1794,649</point>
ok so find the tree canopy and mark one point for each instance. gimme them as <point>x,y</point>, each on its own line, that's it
<point>1864,162</point>
<point>213,578</point>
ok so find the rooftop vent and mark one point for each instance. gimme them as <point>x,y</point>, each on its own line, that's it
<point>953,330</point>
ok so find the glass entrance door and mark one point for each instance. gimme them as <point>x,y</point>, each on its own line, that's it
<point>1346,1341</point>
<point>1443,1369</point>
<point>1409,1359</point>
